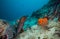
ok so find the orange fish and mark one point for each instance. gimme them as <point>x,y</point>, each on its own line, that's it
<point>43,22</point>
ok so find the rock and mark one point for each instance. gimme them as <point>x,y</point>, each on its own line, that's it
<point>7,30</point>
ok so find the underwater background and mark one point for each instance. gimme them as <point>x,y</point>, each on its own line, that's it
<point>13,9</point>
<point>30,19</point>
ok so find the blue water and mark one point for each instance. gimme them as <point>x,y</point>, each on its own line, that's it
<point>13,9</point>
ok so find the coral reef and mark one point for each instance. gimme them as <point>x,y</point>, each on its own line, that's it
<point>51,10</point>
<point>42,24</point>
<point>5,30</point>
<point>36,32</point>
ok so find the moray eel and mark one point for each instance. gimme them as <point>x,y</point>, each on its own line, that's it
<point>21,23</point>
